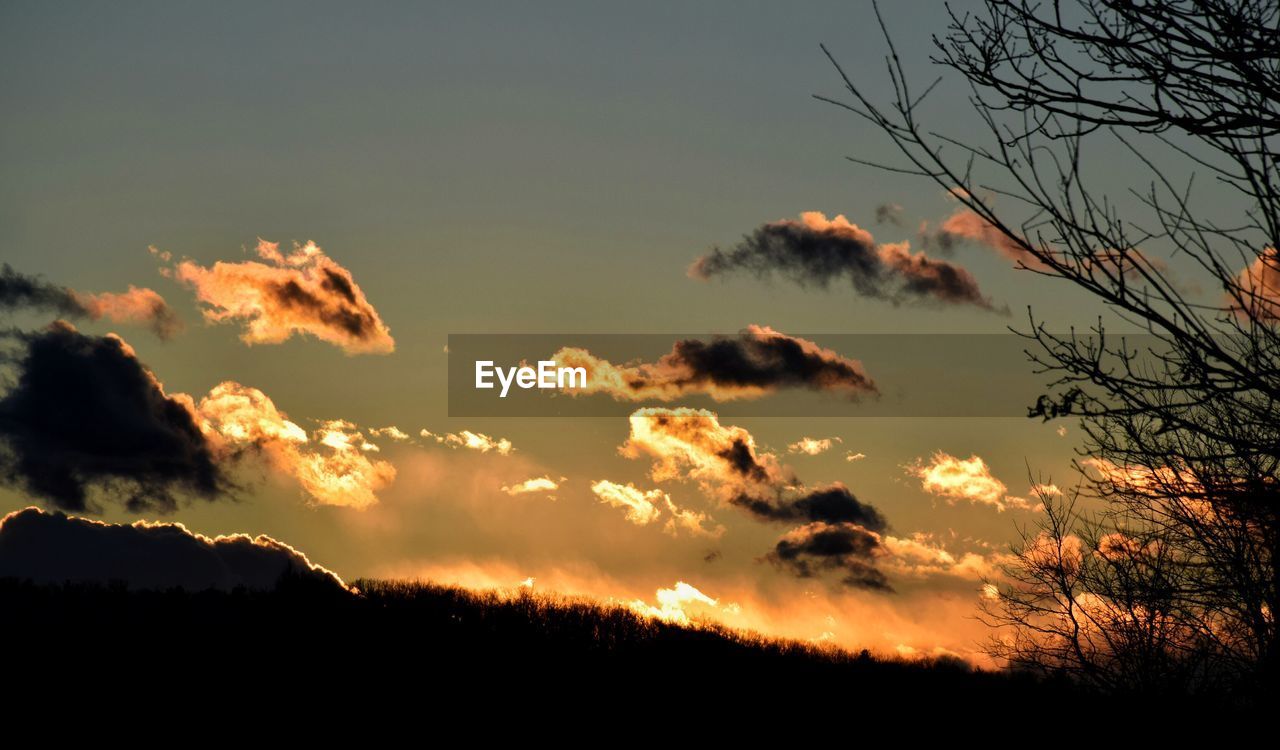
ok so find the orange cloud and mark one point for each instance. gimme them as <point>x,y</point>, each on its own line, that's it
<point>693,443</point>
<point>694,522</point>
<point>139,305</point>
<point>476,441</point>
<point>1159,482</point>
<point>1260,286</point>
<point>535,484</point>
<point>955,479</point>
<point>643,508</point>
<point>338,474</point>
<point>1047,552</point>
<point>964,224</point>
<point>672,603</point>
<point>391,432</point>
<point>922,556</point>
<point>813,446</point>
<point>303,292</point>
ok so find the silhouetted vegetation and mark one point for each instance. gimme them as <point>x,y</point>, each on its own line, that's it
<point>1165,579</point>
<point>395,633</point>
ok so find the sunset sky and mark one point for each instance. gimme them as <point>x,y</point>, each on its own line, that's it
<point>515,168</point>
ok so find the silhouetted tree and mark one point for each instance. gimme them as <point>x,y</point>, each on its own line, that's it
<point>1166,576</point>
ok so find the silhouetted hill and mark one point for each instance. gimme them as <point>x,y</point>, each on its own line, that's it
<point>398,636</point>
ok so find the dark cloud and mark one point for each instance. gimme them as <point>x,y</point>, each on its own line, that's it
<point>740,457</point>
<point>840,533</point>
<point>763,358</point>
<point>889,213</point>
<point>84,413</point>
<point>18,291</point>
<point>812,251</point>
<point>821,547</point>
<point>757,361</point>
<point>817,251</point>
<point>137,305</point>
<point>54,548</point>
<point>836,504</point>
<point>833,504</point>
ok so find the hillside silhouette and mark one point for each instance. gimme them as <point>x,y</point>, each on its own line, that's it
<point>513,643</point>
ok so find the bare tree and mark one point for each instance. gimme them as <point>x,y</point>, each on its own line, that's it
<point>1169,578</point>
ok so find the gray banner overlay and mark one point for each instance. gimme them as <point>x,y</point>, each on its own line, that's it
<point>914,375</point>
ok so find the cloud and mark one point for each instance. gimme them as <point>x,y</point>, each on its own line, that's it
<point>955,479</point>
<point>303,292</point>
<point>693,522</point>
<point>757,362</point>
<point>1260,286</point>
<point>723,459</point>
<point>922,556</point>
<point>817,251</point>
<point>330,464</point>
<point>672,603</point>
<point>643,508</point>
<point>813,446</point>
<point>476,441</point>
<point>889,213</point>
<point>18,291</point>
<point>832,504</point>
<point>692,444</point>
<point>851,456</point>
<point>85,414</point>
<point>343,475</point>
<point>137,306</point>
<point>1157,482</point>
<point>86,421</point>
<point>966,225</point>
<point>529,486</point>
<point>846,548</point>
<point>391,432</point>
<point>1046,552</point>
<point>53,548</point>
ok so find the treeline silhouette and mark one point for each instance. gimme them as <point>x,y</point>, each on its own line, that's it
<point>504,644</point>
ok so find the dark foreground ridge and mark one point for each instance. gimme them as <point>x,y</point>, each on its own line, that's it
<point>396,633</point>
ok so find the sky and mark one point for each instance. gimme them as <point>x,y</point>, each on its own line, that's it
<point>516,168</point>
